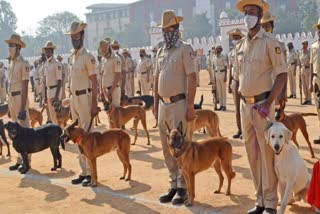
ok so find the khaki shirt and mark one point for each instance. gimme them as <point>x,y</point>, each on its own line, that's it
<point>110,67</point>
<point>220,62</point>
<point>292,57</point>
<point>173,66</point>
<point>145,65</point>
<point>19,70</point>
<point>42,73</point>
<point>82,66</point>
<point>315,57</point>
<point>128,64</point>
<point>304,58</point>
<point>53,72</point>
<point>256,62</point>
<point>231,59</point>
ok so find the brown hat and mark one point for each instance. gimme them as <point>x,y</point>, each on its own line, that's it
<point>236,32</point>
<point>267,17</point>
<point>125,51</point>
<point>142,50</point>
<point>115,43</point>
<point>260,3</point>
<point>15,39</point>
<point>169,19</point>
<point>219,47</point>
<point>76,27</point>
<point>49,45</point>
<point>315,26</point>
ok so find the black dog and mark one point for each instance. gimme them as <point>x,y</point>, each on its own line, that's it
<point>3,139</point>
<point>147,99</point>
<point>199,106</point>
<point>27,141</point>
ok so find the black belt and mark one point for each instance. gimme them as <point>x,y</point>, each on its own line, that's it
<point>144,72</point>
<point>173,99</point>
<point>82,92</point>
<point>15,93</point>
<point>53,86</point>
<point>224,70</point>
<point>307,66</point>
<point>111,87</point>
<point>255,99</point>
<point>293,63</point>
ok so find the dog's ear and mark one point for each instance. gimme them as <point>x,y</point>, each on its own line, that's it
<point>267,132</point>
<point>287,134</point>
<point>180,128</point>
<point>168,128</point>
<point>6,126</point>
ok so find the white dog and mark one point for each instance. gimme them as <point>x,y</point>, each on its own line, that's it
<point>290,169</point>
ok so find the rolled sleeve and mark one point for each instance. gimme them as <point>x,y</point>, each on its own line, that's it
<point>91,65</point>
<point>276,57</point>
<point>189,60</point>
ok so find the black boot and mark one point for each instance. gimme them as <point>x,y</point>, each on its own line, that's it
<point>237,135</point>
<point>256,210</point>
<point>270,211</point>
<point>78,180</point>
<point>180,197</point>
<point>87,181</point>
<point>167,197</point>
<point>316,141</point>
<point>14,167</point>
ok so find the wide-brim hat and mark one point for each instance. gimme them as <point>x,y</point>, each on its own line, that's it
<point>59,58</point>
<point>76,27</point>
<point>218,47</point>
<point>49,45</point>
<point>15,39</point>
<point>154,49</point>
<point>169,19</point>
<point>267,17</point>
<point>115,43</point>
<point>304,41</point>
<point>142,50</point>
<point>315,26</point>
<point>260,3</point>
<point>125,51</point>
<point>236,32</point>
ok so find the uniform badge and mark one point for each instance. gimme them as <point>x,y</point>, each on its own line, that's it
<point>278,50</point>
<point>93,61</point>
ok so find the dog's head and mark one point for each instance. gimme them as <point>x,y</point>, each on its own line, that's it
<point>124,100</point>
<point>68,132</point>
<point>13,129</point>
<point>279,111</point>
<point>277,136</point>
<point>176,140</point>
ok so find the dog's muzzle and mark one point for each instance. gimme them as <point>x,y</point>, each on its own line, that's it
<point>64,137</point>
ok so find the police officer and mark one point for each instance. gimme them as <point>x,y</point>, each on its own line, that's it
<point>18,79</point>
<point>65,75</point>
<point>314,83</point>
<point>129,72</point>
<point>53,75</point>
<point>210,65</point>
<point>305,72</point>
<point>198,67</point>
<point>83,87</point>
<point>115,47</point>
<point>43,81</point>
<point>175,88</point>
<point>111,73</point>
<point>220,73</point>
<point>292,60</point>
<point>235,36</point>
<point>144,72</point>
<point>2,83</point>
<point>261,71</point>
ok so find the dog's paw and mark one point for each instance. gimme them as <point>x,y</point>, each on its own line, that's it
<point>148,143</point>
<point>54,169</point>
<point>128,179</point>
<point>122,178</point>
<point>188,203</point>
<point>133,143</point>
<point>228,193</point>
<point>217,192</point>
<point>93,185</point>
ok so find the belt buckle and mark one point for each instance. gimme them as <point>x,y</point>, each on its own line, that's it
<point>249,100</point>
<point>166,99</point>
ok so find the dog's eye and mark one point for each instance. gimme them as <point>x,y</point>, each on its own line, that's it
<point>281,136</point>
<point>272,136</point>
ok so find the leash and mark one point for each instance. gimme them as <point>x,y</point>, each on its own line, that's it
<point>90,124</point>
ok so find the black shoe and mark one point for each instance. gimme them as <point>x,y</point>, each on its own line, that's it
<point>167,197</point>
<point>87,181</point>
<point>294,96</point>
<point>237,135</point>
<point>304,103</point>
<point>210,83</point>
<point>316,141</point>
<point>223,108</point>
<point>269,211</point>
<point>78,180</point>
<point>256,210</point>
<point>14,167</point>
<point>291,96</point>
<point>180,197</point>
<point>309,102</point>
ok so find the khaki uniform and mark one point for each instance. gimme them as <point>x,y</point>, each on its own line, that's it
<point>111,66</point>
<point>65,78</point>
<point>173,66</point>
<point>144,67</point>
<point>304,61</point>
<point>198,68</point>
<point>129,76</point>
<point>99,75</point>
<point>220,64</point>
<point>2,85</point>
<point>292,59</point>
<point>53,73</point>
<point>37,80</point>
<point>123,76</point>
<point>315,61</point>
<point>18,72</point>
<point>82,67</point>
<point>257,60</point>
<point>210,67</point>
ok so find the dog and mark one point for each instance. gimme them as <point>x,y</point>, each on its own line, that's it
<point>290,168</point>
<point>119,116</point>
<point>199,106</point>
<point>294,122</point>
<point>205,118</point>
<point>4,108</point>
<point>194,157</point>
<point>95,144</point>
<point>3,139</point>
<point>35,116</point>
<point>27,141</point>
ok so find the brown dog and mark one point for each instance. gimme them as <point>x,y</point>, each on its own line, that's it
<point>205,118</point>
<point>119,116</point>
<point>198,156</point>
<point>96,144</point>
<point>36,116</point>
<point>294,122</point>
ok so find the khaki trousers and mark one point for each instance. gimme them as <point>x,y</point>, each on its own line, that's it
<point>2,94</point>
<point>145,85</point>
<point>260,156</point>
<point>81,110</point>
<point>172,114</point>
<point>292,79</point>
<point>221,88</point>
<point>14,105</point>
<point>305,79</point>
<point>198,77</point>
<point>236,100</point>
<point>130,84</point>
<point>53,114</point>
<point>316,93</point>
<point>116,97</point>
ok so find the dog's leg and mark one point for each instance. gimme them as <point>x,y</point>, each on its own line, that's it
<point>25,166</point>
<point>294,139</point>
<point>59,164</point>
<point>144,124</point>
<point>192,188</point>
<point>287,194</point>
<point>188,186</point>
<point>55,158</point>
<point>33,123</point>
<point>217,167</point>
<point>306,136</point>
<point>1,147</point>
<point>135,125</point>
<point>94,175</point>
<point>123,161</point>
<point>227,167</point>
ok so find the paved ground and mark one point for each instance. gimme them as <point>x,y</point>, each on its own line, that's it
<point>43,191</point>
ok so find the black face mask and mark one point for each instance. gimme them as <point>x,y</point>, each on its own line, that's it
<point>141,55</point>
<point>77,44</point>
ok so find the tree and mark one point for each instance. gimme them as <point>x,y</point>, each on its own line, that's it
<point>198,27</point>
<point>8,24</point>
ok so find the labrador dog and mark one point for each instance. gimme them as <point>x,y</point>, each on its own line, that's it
<point>290,169</point>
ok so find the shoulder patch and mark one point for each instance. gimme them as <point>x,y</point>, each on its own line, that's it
<point>278,50</point>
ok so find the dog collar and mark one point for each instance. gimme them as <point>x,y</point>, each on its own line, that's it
<point>79,139</point>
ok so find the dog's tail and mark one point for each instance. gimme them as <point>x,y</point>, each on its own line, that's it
<point>43,108</point>
<point>201,101</point>
<point>139,102</point>
<point>309,114</point>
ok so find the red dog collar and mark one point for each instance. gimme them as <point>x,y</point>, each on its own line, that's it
<point>79,139</point>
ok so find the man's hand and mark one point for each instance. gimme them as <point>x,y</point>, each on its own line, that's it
<point>190,114</point>
<point>263,108</point>
<point>22,115</point>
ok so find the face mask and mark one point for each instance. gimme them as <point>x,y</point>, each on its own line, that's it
<point>12,52</point>
<point>250,21</point>
<point>141,55</point>
<point>77,44</point>
<point>171,38</point>
<point>234,42</point>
